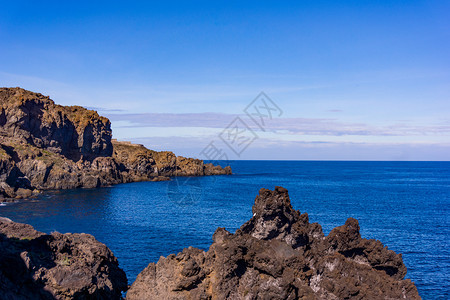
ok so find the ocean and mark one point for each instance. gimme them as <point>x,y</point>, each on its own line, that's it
<point>405,205</point>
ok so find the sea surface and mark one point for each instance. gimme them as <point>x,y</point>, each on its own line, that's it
<point>405,205</point>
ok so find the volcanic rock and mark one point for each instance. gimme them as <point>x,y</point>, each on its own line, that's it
<point>34,265</point>
<point>278,254</point>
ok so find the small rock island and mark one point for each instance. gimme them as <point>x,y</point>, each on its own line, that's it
<point>46,146</point>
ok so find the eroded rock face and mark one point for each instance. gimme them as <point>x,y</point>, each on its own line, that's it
<point>34,265</point>
<point>72,131</point>
<point>48,146</point>
<point>278,254</point>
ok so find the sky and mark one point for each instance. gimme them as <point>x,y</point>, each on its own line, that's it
<point>351,80</point>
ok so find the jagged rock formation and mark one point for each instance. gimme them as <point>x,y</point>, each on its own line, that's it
<point>48,146</point>
<point>34,265</point>
<point>278,254</point>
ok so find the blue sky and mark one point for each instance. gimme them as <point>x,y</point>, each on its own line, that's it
<point>362,80</point>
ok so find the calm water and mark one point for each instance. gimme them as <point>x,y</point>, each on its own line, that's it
<point>403,204</point>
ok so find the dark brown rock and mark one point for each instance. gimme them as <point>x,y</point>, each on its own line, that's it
<point>278,254</point>
<point>34,265</point>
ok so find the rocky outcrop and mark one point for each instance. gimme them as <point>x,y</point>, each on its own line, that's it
<point>48,146</point>
<point>34,265</point>
<point>139,162</point>
<point>278,254</point>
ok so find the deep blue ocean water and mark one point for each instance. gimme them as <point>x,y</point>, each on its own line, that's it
<point>405,205</point>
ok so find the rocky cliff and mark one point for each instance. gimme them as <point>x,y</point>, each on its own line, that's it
<point>34,119</point>
<point>278,254</point>
<point>34,265</point>
<point>48,146</point>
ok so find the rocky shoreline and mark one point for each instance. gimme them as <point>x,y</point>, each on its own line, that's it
<point>277,254</point>
<point>45,146</point>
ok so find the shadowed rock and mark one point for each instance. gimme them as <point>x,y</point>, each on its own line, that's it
<point>34,265</point>
<point>278,254</point>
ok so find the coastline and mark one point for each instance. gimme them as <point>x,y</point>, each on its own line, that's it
<point>45,146</point>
